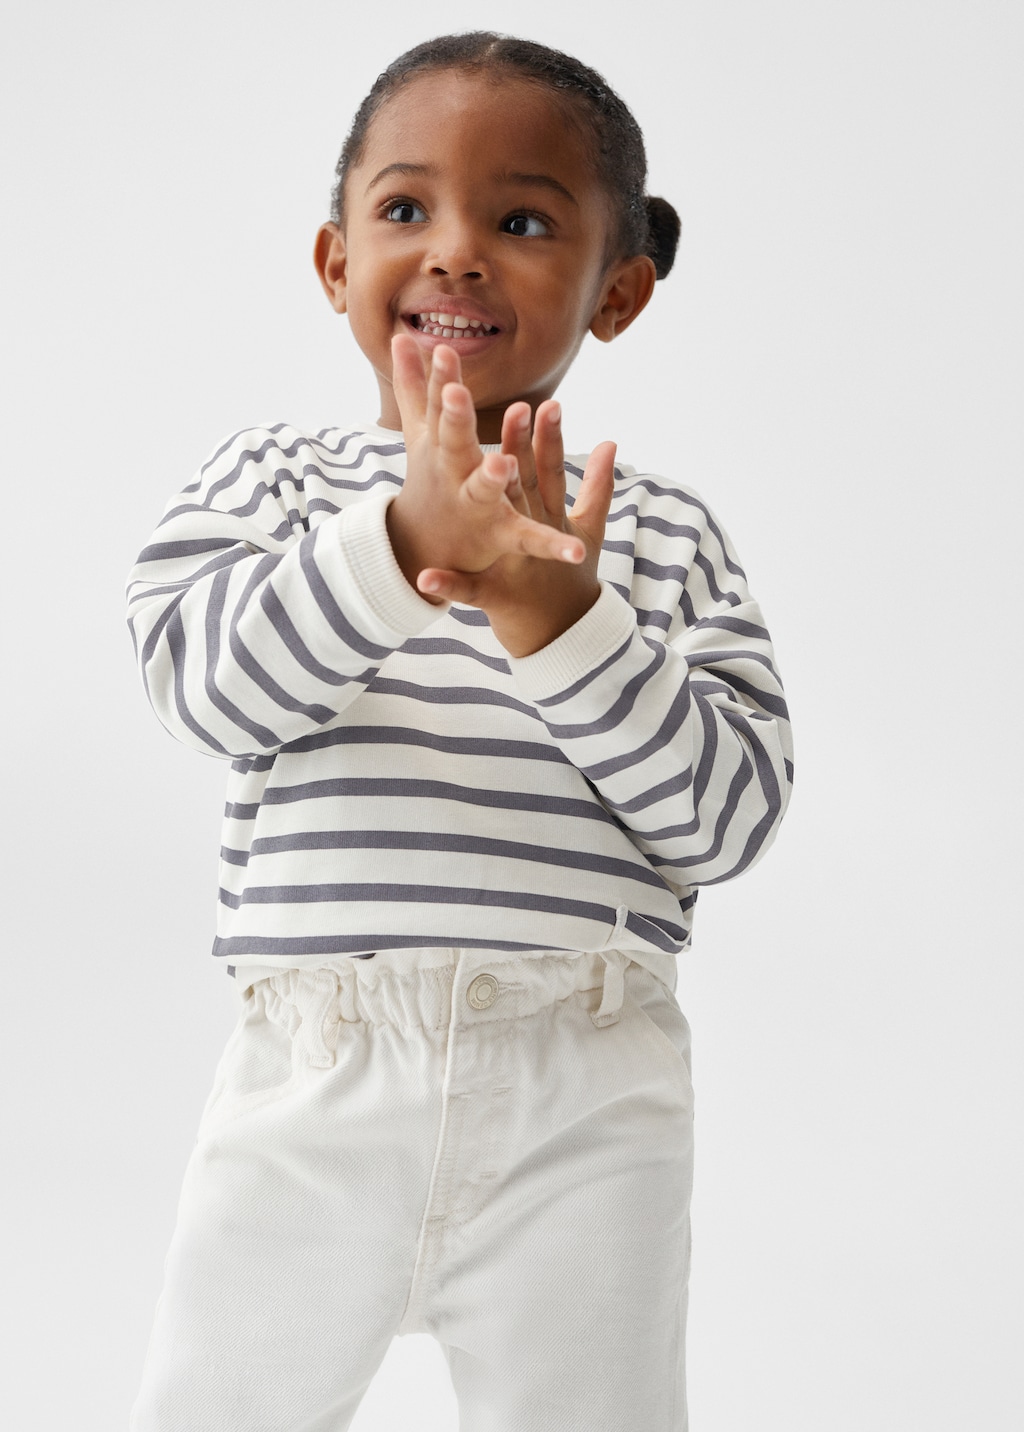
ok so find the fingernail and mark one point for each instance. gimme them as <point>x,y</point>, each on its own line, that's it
<point>430,584</point>
<point>523,420</point>
<point>555,413</point>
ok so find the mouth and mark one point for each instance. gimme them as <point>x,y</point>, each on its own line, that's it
<point>451,327</point>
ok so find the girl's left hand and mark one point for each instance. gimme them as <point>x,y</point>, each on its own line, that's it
<point>530,602</point>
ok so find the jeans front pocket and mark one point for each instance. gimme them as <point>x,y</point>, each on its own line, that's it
<point>657,1006</point>
<point>262,1060</point>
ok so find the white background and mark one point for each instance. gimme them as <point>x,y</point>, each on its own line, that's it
<point>836,365</point>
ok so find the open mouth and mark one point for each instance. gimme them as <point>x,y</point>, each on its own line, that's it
<point>452,326</point>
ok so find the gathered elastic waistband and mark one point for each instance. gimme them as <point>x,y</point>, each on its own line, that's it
<point>434,988</point>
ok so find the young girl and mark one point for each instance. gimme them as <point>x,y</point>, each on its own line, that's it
<point>483,752</point>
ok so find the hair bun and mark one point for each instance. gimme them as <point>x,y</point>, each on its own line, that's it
<point>664,229</point>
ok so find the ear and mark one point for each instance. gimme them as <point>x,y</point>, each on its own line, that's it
<point>625,293</point>
<point>331,263</point>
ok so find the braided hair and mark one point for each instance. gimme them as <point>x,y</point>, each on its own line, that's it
<point>645,225</point>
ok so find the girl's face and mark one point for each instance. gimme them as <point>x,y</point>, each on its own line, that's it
<point>474,218</point>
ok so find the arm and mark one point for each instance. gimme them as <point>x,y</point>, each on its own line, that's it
<point>685,736</point>
<point>249,633</point>
<point>686,740</point>
<point>252,632</point>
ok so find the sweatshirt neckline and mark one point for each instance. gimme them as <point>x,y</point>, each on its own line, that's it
<point>395,435</point>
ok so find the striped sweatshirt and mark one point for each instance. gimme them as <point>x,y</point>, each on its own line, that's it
<point>396,779</point>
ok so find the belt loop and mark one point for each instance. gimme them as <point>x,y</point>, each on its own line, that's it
<point>320,1015</point>
<point>613,987</point>
<point>347,1011</point>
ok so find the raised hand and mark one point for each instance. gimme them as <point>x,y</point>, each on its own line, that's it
<point>459,510</point>
<point>528,602</point>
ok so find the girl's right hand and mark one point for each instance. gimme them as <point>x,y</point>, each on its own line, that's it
<point>459,509</point>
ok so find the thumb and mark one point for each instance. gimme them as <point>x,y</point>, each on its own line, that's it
<point>590,510</point>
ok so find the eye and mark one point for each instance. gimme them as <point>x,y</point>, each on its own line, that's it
<point>525,226</point>
<point>404,211</point>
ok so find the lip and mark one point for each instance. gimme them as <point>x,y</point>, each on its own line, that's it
<point>457,306</point>
<point>452,303</point>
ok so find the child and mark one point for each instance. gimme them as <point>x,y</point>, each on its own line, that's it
<point>482,754</point>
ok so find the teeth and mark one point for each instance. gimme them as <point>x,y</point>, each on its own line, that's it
<point>451,325</point>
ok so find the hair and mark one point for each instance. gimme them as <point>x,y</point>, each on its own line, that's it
<point>643,224</point>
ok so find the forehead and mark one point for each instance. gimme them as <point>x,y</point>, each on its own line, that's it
<point>480,120</point>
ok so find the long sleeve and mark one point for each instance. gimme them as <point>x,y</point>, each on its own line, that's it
<point>684,734</point>
<point>258,616</point>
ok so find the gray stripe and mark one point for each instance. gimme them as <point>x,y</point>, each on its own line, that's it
<point>446,646</point>
<point>675,717</point>
<point>321,504</point>
<point>349,943</point>
<point>673,785</point>
<point>324,599</point>
<point>690,501</point>
<point>585,681</point>
<point>677,530</point>
<point>385,894</point>
<point>765,699</point>
<point>153,638</point>
<point>245,660</point>
<point>449,695</point>
<point>349,484</point>
<point>176,643</point>
<point>165,551</point>
<point>660,936</point>
<point>620,709</point>
<point>263,735</point>
<point>658,572</point>
<point>412,736</point>
<point>148,590</point>
<point>283,625</point>
<point>239,810</point>
<point>736,624</point>
<point>257,495</point>
<point>737,786</point>
<point>711,577</point>
<point>447,843</point>
<point>380,788</point>
<point>705,766</point>
<point>468,616</point>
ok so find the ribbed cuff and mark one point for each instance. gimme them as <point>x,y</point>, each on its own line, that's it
<point>381,583</point>
<point>608,625</point>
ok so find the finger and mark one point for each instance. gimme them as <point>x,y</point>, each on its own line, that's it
<point>549,457</point>
<point>487,484</point>
<point>409,381</point>
<point>450,586</point>
<point>444,368</point>
<point>515,440</point>
<point>590,510</point>
<point>456,432</point>
<point>536,539</point>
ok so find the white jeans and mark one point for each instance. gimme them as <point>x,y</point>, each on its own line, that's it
<point>492,1148</point>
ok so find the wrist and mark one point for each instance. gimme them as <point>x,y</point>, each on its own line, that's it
<point>524,628</point>
<point>404,547</point>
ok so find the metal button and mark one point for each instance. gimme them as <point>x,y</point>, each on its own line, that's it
<point>482,991</point>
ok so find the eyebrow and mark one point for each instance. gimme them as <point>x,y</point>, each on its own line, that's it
<point>541,181</point>
<point>399,169</point>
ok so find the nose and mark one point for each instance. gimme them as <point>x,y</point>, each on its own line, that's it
<point>458,250</point>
